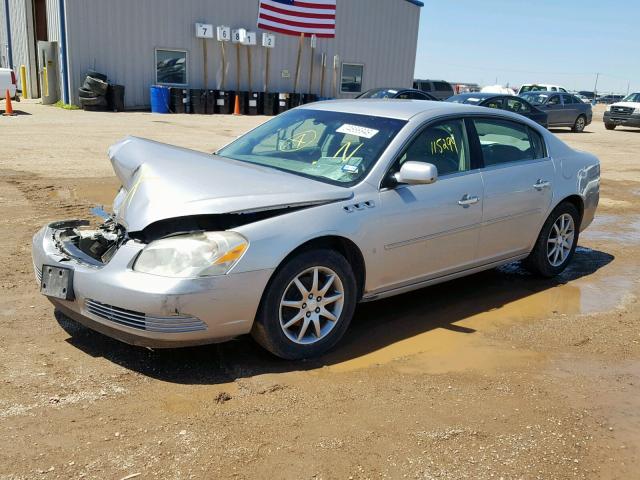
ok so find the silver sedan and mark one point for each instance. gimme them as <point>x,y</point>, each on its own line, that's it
<point>282,232</point>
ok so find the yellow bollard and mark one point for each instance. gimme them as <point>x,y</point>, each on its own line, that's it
<point>45,80</point>
<point>23,79</point>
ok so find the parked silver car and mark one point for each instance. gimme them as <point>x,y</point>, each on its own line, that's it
<point>282,232</point>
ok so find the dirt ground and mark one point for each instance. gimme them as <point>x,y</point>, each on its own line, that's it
<point>496,376</point>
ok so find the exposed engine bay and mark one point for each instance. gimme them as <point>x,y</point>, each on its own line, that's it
<point>94,246</point>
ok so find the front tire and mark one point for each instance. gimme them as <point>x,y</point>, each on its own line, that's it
<point>579,124</point>
<point>610,126</point>
<point>556,242</point>
<point>307,306</point>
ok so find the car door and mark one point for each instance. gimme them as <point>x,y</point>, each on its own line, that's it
<point>517,176</point>
<point>427,231</point>
<point>553,106</point>
<point>569,109</point>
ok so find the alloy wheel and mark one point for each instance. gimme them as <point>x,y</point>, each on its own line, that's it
<point>311,305</point>
<point>560,241</point>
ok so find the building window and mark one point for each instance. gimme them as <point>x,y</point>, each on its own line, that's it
<point>351,79</point>
<point>171,67</point>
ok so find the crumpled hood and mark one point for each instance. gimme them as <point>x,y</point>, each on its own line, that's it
<point>162,181</point>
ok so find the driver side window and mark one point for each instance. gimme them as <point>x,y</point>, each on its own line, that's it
<point>444,145</point>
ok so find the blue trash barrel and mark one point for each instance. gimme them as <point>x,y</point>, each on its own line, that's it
<point>160,99</point>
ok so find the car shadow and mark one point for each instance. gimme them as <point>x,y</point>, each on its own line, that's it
<point>566,130</point>
<point>375,325</point>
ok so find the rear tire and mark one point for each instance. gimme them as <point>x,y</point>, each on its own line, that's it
<point>293,321</point>
<point>556,242</point>
<point>579,124</point>
<point>610,126</point>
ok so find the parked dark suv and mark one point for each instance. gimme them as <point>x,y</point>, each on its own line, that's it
<point>438,88</point>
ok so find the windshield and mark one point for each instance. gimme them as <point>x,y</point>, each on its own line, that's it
<point>379,93</point>
<point>634,97</point>
<point>333,147</point>
<point>535,98</point>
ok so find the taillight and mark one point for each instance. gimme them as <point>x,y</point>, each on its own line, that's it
<point>13,77</point>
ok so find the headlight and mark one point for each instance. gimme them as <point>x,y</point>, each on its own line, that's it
<point>636,111</point>
<point>192,255</point>
<point>608,109</point>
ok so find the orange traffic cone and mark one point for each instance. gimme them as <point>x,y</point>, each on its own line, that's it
<point>236,107</point>
<point>8,111</point>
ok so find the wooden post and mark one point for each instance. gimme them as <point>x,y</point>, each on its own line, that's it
<point>323,66</point>
<point>266,69</point>
<point>204,58</point>
<point>249,67</point>
<point>224,67</point>
<point>335,75</point>
<point>237,67</point>
<point>312,50</point>
<point>300,45</point>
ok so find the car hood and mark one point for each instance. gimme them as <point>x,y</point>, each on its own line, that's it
<point>626,104</point>
<point>162,181</point>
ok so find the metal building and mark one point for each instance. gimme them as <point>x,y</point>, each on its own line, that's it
<point>375,46</point>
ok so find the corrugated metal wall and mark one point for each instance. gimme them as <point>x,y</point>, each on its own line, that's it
<point>119,37</point>
<point>53,23</point>
<point>4,57</point>
<point>21,17</point>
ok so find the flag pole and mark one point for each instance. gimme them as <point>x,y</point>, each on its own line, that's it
<point>312,49</point>
<point>324,67</point>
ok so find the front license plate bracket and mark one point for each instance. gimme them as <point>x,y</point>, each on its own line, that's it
<point>57,282</point>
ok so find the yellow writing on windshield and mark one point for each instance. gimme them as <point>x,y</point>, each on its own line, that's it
<point>444,144</point>
<point>347,153</point>
<point>298,141</point>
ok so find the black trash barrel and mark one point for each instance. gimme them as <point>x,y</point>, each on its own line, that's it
<point>295,100</point>
<point>115,97</point>
<point>211,101</point>
<point>270,103</point>
<point>223,102</point>
<point>283,102</point>
<point>178,100</point>
<point>309,97</point>
<point>198,101</point>
<point>256,103</point>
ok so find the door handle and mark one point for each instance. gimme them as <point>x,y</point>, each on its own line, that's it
<point>541,184</point>
<point>466,200</point>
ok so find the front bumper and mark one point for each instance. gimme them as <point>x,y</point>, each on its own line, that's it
<point>149,310</point>
<point>622,120</point>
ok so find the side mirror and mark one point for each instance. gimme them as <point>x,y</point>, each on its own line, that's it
<point>417,173</point>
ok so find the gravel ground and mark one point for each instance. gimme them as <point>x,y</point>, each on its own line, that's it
<point>497,376</point>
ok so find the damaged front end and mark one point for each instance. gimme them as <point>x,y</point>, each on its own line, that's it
<point>92,246</point>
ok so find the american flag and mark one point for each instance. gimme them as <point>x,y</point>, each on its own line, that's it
<point>293,17</point>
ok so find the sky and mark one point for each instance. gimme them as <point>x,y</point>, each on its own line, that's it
<point>563,42</point>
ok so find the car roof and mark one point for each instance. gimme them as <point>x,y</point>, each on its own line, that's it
<point>391,108</point>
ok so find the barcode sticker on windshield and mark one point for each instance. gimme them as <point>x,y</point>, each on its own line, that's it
<point>357,131</point>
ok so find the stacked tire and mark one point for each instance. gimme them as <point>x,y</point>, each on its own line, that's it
<point>93,93</point>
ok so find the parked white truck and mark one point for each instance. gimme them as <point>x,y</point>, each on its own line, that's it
<point>625,113</point>
<point>8,81</point>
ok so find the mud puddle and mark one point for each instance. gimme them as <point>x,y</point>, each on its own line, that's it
<point>442,328</point>
<point>614,228</point>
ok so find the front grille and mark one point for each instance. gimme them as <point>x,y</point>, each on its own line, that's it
<point>622,110</point>
<point>141,321</point>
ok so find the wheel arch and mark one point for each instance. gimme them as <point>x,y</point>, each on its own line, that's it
<point>577,201</point>
<point>342,245</point>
